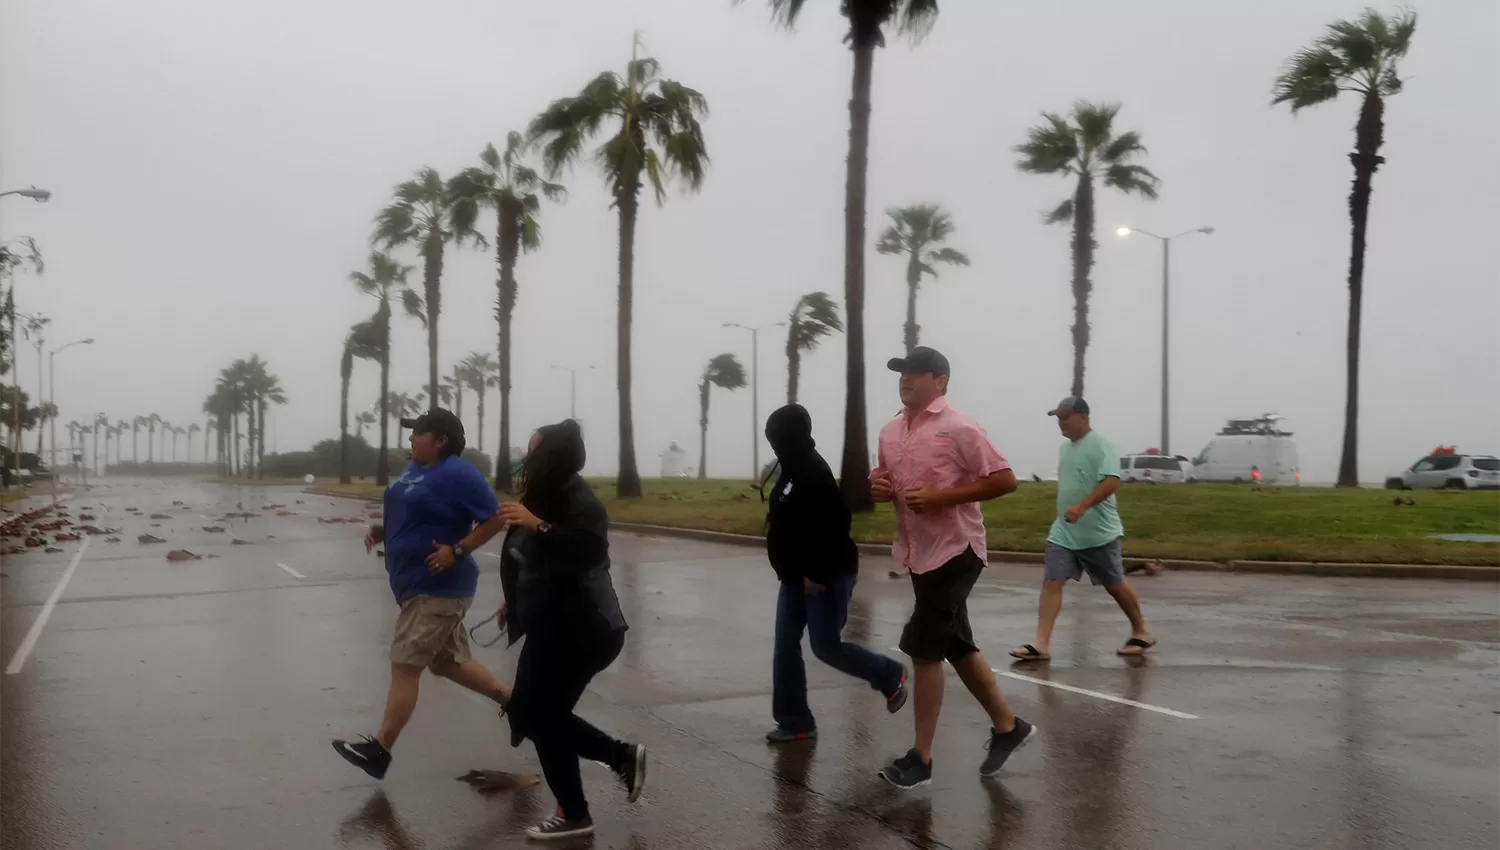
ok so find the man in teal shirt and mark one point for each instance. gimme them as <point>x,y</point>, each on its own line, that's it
<point>1085,537</point>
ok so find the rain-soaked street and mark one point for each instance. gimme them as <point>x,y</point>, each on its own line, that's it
<point>190,704</point>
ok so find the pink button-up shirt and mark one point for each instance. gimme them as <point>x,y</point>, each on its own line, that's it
<point>943,449</point>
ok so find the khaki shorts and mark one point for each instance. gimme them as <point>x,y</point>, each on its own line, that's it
<point>430,630</point>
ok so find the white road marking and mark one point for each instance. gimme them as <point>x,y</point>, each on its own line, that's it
<point>291,572</point>
<point>1170,712</point>
<point>495,555</point>
<point>18,660</point>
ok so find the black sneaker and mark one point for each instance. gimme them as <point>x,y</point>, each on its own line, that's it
<point>908,771</point>
<point>897,698</point>
<point>787,736</point>
<point>1001,746</point>
<point>633,774</point>
<point>367,755</point>
<point>558,827</point>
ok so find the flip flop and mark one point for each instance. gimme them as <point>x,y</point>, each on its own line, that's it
<point>1136,642</point>
<point>1027,652</point>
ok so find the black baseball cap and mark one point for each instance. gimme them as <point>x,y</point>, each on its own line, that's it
<point>441,422</point>
<point>920,359</point>
<point>1071,404</point>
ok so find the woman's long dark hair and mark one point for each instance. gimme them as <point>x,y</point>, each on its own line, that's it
<point>547,470</point>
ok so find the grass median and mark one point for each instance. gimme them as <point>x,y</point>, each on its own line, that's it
<point>1203,522</point>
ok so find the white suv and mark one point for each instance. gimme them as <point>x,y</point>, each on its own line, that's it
<point>1156,469</point>
<point>1449,471</point>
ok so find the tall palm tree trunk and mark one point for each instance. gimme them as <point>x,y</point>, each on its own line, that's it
<point>793,363</point>
<point>913,281</point>
<point>1083,264</point>
<point>854,471</point>
<point>135,445</point>
<point>260,449</point>
<point>151,444</point>
<point>346,371</point>
<point>480,402</point>
<point>508,244</point>
<point>703,430</point>
<point>382,472</point>
<point>629,484</point>
<point>96,448</point>
<point>432,277</point>
<point>1369,136</point>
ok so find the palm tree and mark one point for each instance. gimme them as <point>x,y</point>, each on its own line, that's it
<point>135,439</point>
<point>385,278</point>
<point>479,371</point>
<point>363,419</point>
<point>1359,57</point>
<point>100,421</point>
<point>191,430</point>
<point>364,342</point>
<point>120,428</point>
<point>166,429</point>
<point>654,133</point>
<point>151,422</point>
<point>814,317</point>
<point>725,372</point>
<point>1089,150</point>
<point>453,388</point>
<point>402,405</point>
<point>177,431</point>
<point>208,425</point>
<point>265,390</point>
<point>514,190</point>
<point>867,21</point>
<point>422,215</point>
<point>918,232</point>
<point>45,412</point>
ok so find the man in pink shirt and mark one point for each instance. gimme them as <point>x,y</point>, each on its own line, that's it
<point>937,465</point>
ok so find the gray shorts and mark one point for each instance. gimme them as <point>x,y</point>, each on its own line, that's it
<point>1102,563</point>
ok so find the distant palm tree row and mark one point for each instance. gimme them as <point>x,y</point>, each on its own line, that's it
<point>244,390</point>
<point>648,132</point>
<point>101,430</point>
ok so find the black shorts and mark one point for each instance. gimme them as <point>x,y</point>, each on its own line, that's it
<point>939,624</point>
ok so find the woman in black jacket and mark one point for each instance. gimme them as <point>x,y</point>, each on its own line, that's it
<point>554,569</point>
<point>808,542</point>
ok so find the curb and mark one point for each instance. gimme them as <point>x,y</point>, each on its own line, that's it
<point>1427,571</point>
<point>1462,572</point>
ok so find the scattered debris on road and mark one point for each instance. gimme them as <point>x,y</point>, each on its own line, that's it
<point>150,538</point>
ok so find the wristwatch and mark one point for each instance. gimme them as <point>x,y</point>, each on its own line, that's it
<point>544,527</point>
<point>458,550</point>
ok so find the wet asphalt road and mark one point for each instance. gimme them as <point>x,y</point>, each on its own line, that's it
<point>190,705</point>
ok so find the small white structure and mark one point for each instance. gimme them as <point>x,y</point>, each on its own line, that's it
<point>675,463</point>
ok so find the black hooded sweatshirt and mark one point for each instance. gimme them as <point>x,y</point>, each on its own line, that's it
<point>807,523</point>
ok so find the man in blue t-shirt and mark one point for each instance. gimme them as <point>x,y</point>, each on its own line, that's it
<point>439,511</point>
<point>1085,536</point>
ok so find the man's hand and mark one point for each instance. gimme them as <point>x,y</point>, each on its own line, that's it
<point>812,587</point>
<point>924,499</point>
<point>1072,515</point>
<point>515,513</point>
<point>881,490</point>
<point>441,558</point>
<point>374,537</point>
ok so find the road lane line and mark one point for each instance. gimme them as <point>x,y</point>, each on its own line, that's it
<point>1170,712</point>
<point>1097,695</point>
<point>18,660</point>
<point>291,572</point>
<point>495,555</point>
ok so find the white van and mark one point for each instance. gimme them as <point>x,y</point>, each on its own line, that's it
<point>1250,451</point>
<point>1153,467</point>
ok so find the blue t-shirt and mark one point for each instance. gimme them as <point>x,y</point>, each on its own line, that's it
<point>442,502</point>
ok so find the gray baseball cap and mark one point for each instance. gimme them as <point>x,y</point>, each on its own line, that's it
<point>1071,404</point>
<point>921,359</point>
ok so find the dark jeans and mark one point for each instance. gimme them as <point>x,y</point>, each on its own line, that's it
<point>822,615</point>
<point>551,676</point>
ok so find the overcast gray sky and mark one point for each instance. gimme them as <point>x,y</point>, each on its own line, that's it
<point>216,166</point>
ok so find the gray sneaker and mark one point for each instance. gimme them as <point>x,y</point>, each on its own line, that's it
<point>1001,746</point>
<point>909,771</point>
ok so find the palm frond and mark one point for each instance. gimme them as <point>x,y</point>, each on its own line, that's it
<point>568,122</point>
<point>1132,179</point>
<point>951,256</point>
<point>414,306</point>
<point>1122,147</point>
<point>1050,148</point>
<point>784,12</point>
<point>916,18</point>
<point>1095,122</point>
<point>890,242</point>
<point>725,371</point>
<point>1062,213</point>
<point>394,226</point>
<point>531,233</point>
<point>817,315</point>
<point>1310,77</point>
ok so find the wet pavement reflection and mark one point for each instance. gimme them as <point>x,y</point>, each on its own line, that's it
<point>189,703</point>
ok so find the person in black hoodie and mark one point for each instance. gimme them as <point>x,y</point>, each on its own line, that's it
<point>554,571</point>
<point>808,542</point>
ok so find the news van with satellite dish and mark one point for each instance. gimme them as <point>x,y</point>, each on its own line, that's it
<point>1250,451</point>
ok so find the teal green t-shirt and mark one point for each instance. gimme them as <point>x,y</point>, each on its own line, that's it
<point>1081,465</point>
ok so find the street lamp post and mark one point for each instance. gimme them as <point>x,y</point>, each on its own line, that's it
<point>754,393</point>
<point>572,387</point>
<point>1166,272</point>
<point>52,398</point>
